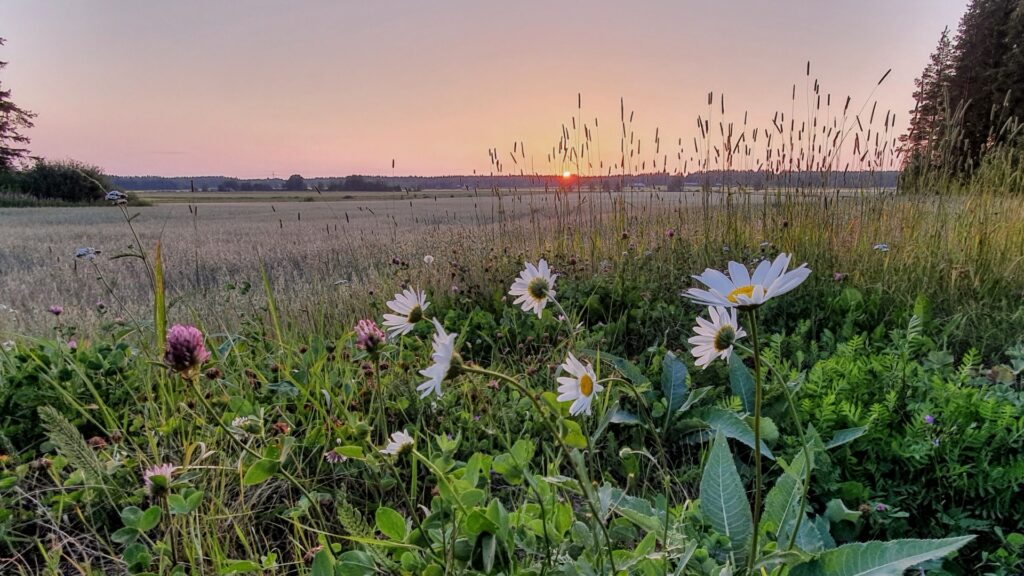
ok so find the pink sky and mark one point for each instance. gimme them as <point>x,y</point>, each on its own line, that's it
<point>260,88</point>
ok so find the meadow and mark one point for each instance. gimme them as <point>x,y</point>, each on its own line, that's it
<point>794,379</point>
<point>288,439</point>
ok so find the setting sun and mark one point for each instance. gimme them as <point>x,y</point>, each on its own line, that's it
<point>566,174</point>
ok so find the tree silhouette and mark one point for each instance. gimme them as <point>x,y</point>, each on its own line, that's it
<point>13,119</point>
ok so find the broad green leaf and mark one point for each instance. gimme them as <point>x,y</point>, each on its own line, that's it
<point>488,548</point>
<point>355,563</point>
<point>783,501</point>
<point>836,511</point>
<point>728,423</point>
<point>742,382</point>
<point>673,381</point>
<point>723,501</point>
<point>391,523</point>
<point>149,519</point>
<point>260,472</point>
<point>125,535</point>
<point>323,564</point>
<point>696,395</point>
<point>130,516</point>
<point>845,436</point>
<point>176,504</point>
<point>878,558</point>
<point>625,367</point>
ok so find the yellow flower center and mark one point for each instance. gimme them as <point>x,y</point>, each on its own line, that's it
<point>747,291</point>
<point>415,315</point>
<point>586,385</point>
<point>538,288</point>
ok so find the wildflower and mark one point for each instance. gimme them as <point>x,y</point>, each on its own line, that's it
<point>534,286</point>
<point>447,362</point>
<point>87,253</point>
<point>838,276</point>
<point>740,289</point>
<point>157,479</point>
<point>935,442</point>
<point>881,247</point>
<point>428,259</point>
<point>116,197</point>
<point>368,336</point>
<point>7,345</point>
<point>72,344</point>
<point>242,421</point>
<point>399,444</point>
<point>409,305</point>
<point>334,457</point>
<point>670,233</point>
<point>185,351</point>
<point>929,419</point>
<point>714,339</point>
<point>879,507</point>
<point>56,310</point>
<point>580,387</point>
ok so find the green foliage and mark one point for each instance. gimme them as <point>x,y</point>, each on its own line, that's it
<point>65,180</point>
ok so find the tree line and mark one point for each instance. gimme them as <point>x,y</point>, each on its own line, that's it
<point>969,99</point>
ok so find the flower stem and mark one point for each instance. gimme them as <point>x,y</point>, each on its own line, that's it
<point>580,474</point>
<point>757,439</point>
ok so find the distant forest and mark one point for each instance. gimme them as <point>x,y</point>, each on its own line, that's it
<point>747,179</point>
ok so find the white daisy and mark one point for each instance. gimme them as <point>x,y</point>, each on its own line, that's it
<point>409,305</point>
<point>400,442</point>
<point>428,259</point>
<point>446,362</point>
<point>534,287</point>
<point>580,387</point>
<point>740,289</point>
<point>714,339</point>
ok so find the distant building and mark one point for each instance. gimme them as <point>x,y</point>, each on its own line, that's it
<point>638,186</point>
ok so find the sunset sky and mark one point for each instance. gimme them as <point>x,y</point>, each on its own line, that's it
<point>260,88</point>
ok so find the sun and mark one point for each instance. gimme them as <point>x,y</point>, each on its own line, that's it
<point>566,174</point>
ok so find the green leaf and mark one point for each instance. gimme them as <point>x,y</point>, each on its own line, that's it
<point>673,381</point>
<point>149,519</point>
<point>130,516</point>
<point>845,436</point>
<point>488,548</point>
<point>836,511</point>
<point>176,504</point>
<point>728,423</point>
<point>741,381</point>
<point>239,567</point>
<point>723,501</point>
<point>260,472</point>
<point>782,503</point>
<point>125,535</point>
<point>355,563</point>
<point>391,523</point>
<point>878,558</point>
<point>323,564</point>
<point>625,367</point>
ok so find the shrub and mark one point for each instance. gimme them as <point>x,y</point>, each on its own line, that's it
<point>66,180</point>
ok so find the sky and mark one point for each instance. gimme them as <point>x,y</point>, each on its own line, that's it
<point>264,88</point>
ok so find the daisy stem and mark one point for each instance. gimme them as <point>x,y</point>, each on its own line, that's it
<point>803,442</point>
<point>581,475</point>
<point>757,438</point>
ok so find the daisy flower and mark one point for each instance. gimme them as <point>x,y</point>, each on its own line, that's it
<point>741,289</point>
<point>714,339</point>
<point>534,287</point>
<point>400,442</point>
<point>447,362</point>
<point>580,387</point>
<point>409,305</point>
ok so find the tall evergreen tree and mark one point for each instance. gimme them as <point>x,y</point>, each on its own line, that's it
<point>982,48</point>
<point>13,119</point>
<point>928,118</point>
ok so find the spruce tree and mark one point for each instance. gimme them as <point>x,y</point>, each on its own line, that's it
<point>13,119</point>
